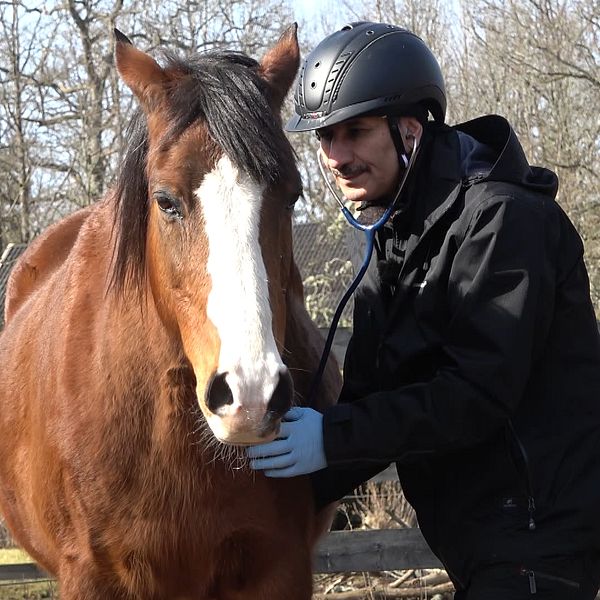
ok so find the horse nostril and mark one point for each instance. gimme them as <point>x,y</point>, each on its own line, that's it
<point>281,400</point>
<point>219,393</point>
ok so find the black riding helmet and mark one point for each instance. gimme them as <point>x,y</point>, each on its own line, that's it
<point>367,68</point>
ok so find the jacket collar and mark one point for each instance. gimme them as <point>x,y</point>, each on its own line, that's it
<point>511,164</point>
<point>438,181</point>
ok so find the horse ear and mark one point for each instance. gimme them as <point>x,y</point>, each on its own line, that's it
<point>280,64</point>
<point>140,72</point>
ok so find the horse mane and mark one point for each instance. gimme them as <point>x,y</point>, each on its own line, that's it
<point>225,90</point>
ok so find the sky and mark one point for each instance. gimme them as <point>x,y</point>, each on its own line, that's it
<point>309,9</point>
<point>304,9</point>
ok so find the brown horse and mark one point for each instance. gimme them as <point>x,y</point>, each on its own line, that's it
<point>151,336</point>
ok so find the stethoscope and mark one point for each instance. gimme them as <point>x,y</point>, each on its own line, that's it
<point>370,231</point>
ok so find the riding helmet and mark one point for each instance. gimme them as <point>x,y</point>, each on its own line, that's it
<point>367,68</point>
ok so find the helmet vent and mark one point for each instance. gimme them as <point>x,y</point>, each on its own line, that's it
<point>338,67</point>
<point>328,89</point>
<point>300,88</point>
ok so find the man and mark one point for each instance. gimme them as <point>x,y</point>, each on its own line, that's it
<point>475,359</point>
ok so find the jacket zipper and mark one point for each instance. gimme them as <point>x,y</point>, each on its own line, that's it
<point>424,235</point>
<point>461,187</point>
<point>530,498</point>
<point>533,576</point>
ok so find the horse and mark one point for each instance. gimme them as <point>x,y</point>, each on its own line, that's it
<point>152,335</point>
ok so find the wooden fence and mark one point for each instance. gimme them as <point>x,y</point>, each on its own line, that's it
<point>374,550</point>
<point>339,551</point>
<point>25,572</point>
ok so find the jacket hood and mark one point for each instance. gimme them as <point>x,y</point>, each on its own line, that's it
<point>510,164</point>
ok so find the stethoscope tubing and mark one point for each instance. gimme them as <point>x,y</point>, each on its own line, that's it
<point>370,231</point>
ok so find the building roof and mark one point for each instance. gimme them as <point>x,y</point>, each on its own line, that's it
<point>324,264</point>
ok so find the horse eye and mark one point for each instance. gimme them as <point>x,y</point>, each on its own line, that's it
<point>168,205</point>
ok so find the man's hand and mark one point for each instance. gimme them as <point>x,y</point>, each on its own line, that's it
<point>297,451</point>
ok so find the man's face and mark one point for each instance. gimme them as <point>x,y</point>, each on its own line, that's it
<point>362,158</point>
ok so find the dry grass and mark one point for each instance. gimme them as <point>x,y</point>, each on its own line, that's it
<point>381,506</point>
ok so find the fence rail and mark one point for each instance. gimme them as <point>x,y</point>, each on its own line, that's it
<point>340,551</point>
<point>374,550</point>
<point>24,571</point>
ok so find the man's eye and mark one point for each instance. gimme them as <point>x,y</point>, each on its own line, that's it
<point>356,131</point>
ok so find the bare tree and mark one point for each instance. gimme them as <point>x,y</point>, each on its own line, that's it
<point>17,137</point>
<point>63,110</point>
<point>97,64</point>
<point>429,20</point>
<point>537,63</point>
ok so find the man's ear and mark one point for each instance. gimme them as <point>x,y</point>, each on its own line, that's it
<point>410,129</point>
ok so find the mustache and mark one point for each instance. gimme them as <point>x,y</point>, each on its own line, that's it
<point>346,172</point>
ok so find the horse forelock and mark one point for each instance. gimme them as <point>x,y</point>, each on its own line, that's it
<point>224,90</point>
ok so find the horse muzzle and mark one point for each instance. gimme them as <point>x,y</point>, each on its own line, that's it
<point>241,413</point>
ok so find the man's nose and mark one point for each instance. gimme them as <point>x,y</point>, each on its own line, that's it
<point>338,153</point>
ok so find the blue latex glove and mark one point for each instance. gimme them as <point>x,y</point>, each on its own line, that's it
<point>298,450</point>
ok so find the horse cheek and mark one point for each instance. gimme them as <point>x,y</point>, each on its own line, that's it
<point>189,291</point>
<point>276,242</point>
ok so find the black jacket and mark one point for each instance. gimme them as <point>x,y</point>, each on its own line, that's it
<point>475,365</point>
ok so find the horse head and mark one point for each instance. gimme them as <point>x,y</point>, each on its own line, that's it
<point>204,223</point>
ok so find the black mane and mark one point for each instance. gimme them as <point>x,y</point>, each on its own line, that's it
<point>223,89</point>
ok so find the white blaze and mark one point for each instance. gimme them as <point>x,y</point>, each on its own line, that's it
<point>238,303</point>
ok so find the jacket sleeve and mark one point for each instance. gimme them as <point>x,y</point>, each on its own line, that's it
<point>333,484</point>
<point>499,279</point>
